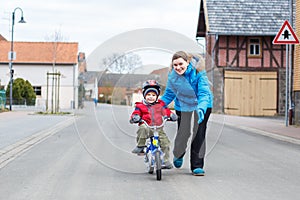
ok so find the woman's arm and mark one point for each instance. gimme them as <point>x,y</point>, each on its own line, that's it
<point>164,109</point>
<point>203,94</point>
<point>168,95</point>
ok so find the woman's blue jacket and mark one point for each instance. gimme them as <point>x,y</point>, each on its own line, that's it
<point>190,91</point>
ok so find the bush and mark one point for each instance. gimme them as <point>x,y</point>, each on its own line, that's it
<point>21,91</point>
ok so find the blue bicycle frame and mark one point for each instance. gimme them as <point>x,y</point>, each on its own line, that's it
<point>154,155</point>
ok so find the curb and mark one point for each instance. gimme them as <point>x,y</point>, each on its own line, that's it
<point>264,133</point>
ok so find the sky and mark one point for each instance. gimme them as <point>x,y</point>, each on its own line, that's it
<point>92,22</point>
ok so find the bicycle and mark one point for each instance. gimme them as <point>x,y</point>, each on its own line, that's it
<point>153,154</point>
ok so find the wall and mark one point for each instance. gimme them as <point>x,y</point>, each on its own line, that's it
<point>221,54</point>
<point>296,85</point>
<point>37,76</point>
<point>229,45</point>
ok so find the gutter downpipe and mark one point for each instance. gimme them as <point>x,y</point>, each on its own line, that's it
<point>290,112</point>
<point>213,64</point>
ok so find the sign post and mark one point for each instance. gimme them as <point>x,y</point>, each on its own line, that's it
<point>287,36</point>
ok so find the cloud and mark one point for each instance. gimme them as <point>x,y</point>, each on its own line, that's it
<point>160,40</point>
<point>92,22</point>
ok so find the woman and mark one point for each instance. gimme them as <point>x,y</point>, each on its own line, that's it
<point>188,86</point>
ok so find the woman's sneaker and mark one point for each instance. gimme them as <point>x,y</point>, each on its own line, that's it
<point>198,172</point>
<point>138,150</point>
<point>177,162</point>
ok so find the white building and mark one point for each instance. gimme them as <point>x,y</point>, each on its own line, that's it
<point>34,60</point>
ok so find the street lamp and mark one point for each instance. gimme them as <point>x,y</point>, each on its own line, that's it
<point>12,52</point>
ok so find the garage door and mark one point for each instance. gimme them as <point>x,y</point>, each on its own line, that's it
<point>250,93</point>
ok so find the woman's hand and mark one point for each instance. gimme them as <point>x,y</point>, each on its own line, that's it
<point>201,116</point>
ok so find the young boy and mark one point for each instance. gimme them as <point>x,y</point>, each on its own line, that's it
<point>152,110</point>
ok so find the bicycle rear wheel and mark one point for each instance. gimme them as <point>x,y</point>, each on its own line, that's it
<point>158,165</point>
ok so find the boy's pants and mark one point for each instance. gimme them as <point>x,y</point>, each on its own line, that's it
<point>144,132</point>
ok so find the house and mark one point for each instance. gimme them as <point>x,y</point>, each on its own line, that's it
<point>163,74</point>
<point>248,71</point>
<point>88,80</point>
<point>119,88</point>
<point>50,67</point>
<point>81,62</point>
<point>296,77</point>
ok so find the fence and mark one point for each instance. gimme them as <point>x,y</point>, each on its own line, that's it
<point>2,99</point>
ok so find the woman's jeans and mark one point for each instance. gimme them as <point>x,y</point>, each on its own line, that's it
<point>198,146</point>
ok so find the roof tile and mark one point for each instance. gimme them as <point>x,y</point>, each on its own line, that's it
<point>40,52</point>
<point>246,17</point>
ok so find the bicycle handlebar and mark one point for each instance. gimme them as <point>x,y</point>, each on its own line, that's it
<point>155,127</point>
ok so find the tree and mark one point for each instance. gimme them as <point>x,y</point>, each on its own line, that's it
<point>122,63</point>
<point>55,38</point>
<point>23,92</point>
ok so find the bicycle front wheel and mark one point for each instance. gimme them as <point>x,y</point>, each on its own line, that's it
<point>149,163</point>
<point>158,165</point>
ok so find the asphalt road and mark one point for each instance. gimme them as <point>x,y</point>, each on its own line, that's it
<point>90,159</point>
<point>17,125</point>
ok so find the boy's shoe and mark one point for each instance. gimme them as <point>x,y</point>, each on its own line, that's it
<point>167,165</point>
<point>198,172</point>
<point>138,150</point>
<point>177,162</point>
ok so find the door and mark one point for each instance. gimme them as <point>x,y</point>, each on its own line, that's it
<point>250,93</point>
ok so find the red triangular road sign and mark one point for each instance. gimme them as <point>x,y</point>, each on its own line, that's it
<point>286,35</point>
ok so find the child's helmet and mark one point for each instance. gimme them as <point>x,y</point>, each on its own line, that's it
<point>151,86</point>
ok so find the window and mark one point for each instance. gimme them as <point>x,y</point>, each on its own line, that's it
<point>254,47</point>
<point>37,90</point>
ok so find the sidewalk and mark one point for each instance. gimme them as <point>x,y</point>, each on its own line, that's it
<point>22,129</point>
<point>274,127</point>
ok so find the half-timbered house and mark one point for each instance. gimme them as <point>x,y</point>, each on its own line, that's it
<point>296,77</point>
<point>248,71</point>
